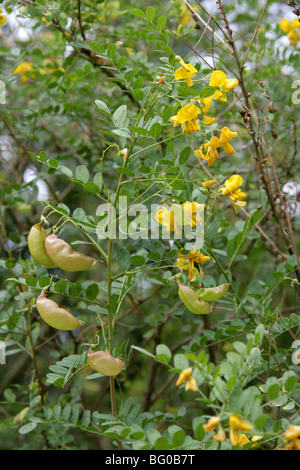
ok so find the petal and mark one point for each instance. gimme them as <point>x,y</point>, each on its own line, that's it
<point>226,135</point>
<point>228,148</point>
<point>175,121</point>
<point>207,120</point>
<point>188,81</point>
<point>208,183</point>
<point>180,74</point>
<point>233,183</point>
<point>211,423</point>
<point>207,102</point>
<point>187,113</point>
<point>184,375</point>
<point>230,85</point>
<point>213,143</point>
<point>285,25</point>
<point>218,78</point>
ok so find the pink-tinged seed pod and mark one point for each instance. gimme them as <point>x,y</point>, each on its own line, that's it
<point>36,245</point>
<point>64,257</point>
<point>55,316</point>
<point>105,363</point>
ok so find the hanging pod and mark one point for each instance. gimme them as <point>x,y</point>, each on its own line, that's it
<point>212,293</point>
<point>64,257</point>
<point>55,316</point>
<point>36,245</point>
<point>105,363</point>
<point>190,299</point>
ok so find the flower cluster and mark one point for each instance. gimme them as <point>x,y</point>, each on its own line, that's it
<point>173,218</point>
<point>237,430</point>
<point>186,377</point>
<point>192,115</point>
<point>292,29</point>
<point>292,435</point>
<point>2,18</point>
<point>187,262</point>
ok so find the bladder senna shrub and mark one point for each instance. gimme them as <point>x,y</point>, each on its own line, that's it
<point>64,257</point>
<point>55,316</point>
<point>105,363</point>
<point>36,245</point>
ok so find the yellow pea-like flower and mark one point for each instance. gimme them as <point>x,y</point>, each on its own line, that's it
<point>185,72</point>
<point>187,117</point>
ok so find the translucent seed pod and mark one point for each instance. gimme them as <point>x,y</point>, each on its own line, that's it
<point>64,257</point>
<point>36,245</point>
<point>55,316</point>
<point>212,293</point>
<point>190,299</point>
<point>105,363</point>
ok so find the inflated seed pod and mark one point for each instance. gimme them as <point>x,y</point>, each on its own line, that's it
<point>64,257</point>
<point>55,316</point>
<point>105,363</point>
<point>190,299</point>
<point>212,293</point>
<point>36,245</point>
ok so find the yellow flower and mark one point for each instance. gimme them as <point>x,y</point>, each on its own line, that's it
<point>211,153</point>
<point>166,218</point>
<point>191,385</point>
<point>187,117</point>
<point>219,80</point>
<point>235,422</point>
<point>191,209</point>
<point>292,432</point>
<point>206,102</point>
<point>23,69</point>
<point>185,72</point>
<point>2,18</point>
<point>129,50</point>
<point>174,218</point>
<point>190,382</point>
<point>220,435</point>
<point>207,120</point>
<point>225,137</point>
<point>211,423</point>
<point>292,29</point>
<point>285,25</point>
<point>184,375</point>
<point>186,14</point>
<point>231,189</point>
<point>187,262</point>
<point>208,183</point>
<point>236,425</point>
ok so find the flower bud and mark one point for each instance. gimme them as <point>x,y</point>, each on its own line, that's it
<point>190,299</point>
<point>64,257</point>
<point>36,245</point>
<point>105,363</point>
<point>55,316</point>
